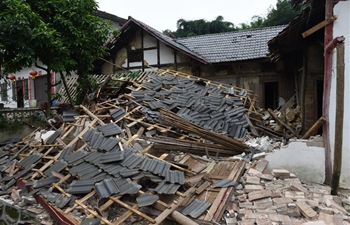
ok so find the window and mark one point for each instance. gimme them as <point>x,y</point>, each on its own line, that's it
<point>3,89</point>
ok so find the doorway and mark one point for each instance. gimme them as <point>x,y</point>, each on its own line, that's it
<point>271,95</point>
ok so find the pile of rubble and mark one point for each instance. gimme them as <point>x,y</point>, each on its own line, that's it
<point>280,197</point>
<point>157,146</point>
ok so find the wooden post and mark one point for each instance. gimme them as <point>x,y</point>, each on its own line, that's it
<point>339,119</point>
<point>314,127</point>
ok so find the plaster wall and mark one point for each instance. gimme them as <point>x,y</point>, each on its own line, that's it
<point>342,28</point>
<point>306,162</point>
<point>150,56</point>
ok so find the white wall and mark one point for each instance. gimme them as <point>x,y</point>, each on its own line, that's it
<point>150,56</point>
<point>25,74</point>
<point>342,28</point>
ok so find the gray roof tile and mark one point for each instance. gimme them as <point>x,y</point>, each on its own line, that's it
<point>146,199</point>
<point>110,129</point>
<point>167,188</point>
<point>232,46</point>
<point>225,183</point>
<point>196,208</point>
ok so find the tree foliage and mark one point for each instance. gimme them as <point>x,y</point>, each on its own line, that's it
<point>188,28</point>
<point>281,14</point>
<point>62,34</point>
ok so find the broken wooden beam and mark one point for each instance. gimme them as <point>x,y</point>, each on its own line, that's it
<point>272,113</point>
<point>314,127</point>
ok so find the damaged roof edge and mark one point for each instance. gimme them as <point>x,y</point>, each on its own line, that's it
<point>161,37</point>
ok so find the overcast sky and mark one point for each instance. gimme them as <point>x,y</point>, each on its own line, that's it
<point>163,15</point>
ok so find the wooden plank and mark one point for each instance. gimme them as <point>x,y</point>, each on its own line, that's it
<point>319,26</point>
<point>204,186</point>
<point>221,199</point>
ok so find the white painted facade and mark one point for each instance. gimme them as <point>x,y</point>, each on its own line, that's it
<point>342,28</point>
<point>11,103</point>
<point>150,56</point>
<point>22,75</point>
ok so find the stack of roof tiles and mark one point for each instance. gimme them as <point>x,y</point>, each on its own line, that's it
<point>211,107</point>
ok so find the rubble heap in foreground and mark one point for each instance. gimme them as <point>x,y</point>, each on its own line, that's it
<point>105,163</point>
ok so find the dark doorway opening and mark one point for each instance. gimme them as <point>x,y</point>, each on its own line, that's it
<point>271,95</point>
<point>319,93</point>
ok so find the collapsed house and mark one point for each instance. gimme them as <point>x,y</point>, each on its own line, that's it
<point>155,146</point>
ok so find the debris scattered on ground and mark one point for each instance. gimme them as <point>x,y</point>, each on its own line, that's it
<point>156,146</point>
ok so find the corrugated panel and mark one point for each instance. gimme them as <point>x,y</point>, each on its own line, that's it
<point>175,176</point>
<point>68,116</point>
<point>98,141</point>
<point>21,173</point>
<point>101,190</point>
<point>62,202</point>
<point>118,113</point>
<point>167,188</point>
<point>112,157</point>
<point>53,137</point>
<point>149,175</point>
<point>110,129</point>
<point>66,151</point>
<point>30,159</point>
<point>80,167</point>
<point>225,183</point>
<point>132,161</point>
<point>45,181</point>
<point>196,208</point>
<point>109,144</point>
<point>125,172</point>
<point>146,199</point>
<point>76,158</point>
<point>57,167</point>
<point>127,186</point>
<point>87,136</point>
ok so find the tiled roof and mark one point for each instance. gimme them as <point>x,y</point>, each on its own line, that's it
<point>215,48</point>
<point>232,46</point>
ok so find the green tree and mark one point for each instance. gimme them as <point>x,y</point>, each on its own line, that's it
<point>187,28</point>
<point>282,14</point>
<point>62,34</point>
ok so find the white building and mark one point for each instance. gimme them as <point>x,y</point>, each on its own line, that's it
<point>35,89</point>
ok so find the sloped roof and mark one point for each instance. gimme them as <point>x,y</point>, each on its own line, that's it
<point>290,38</point>
<point>232,46</point>
<point>211,48</point>
<point>161,37</point>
